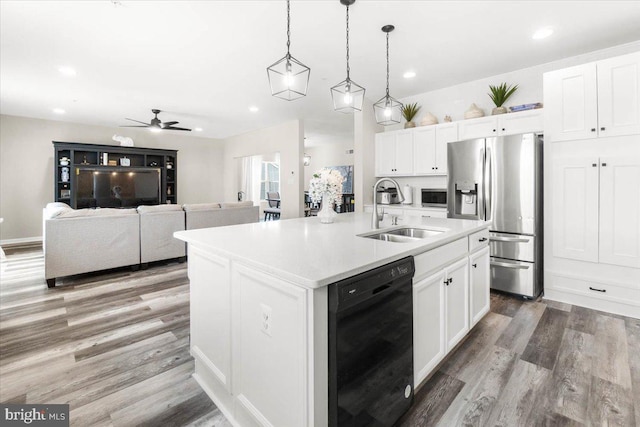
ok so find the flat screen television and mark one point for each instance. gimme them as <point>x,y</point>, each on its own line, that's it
<point>117,188</point>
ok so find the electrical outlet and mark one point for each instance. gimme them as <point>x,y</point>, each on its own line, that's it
<point>265,319</point>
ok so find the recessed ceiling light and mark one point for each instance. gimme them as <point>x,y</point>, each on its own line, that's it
<point>67,71</point>
<point>59,111</point>
<point>198,129</point>
<point>542,33</point>
<point>409,74</point>
<point>253,109</point>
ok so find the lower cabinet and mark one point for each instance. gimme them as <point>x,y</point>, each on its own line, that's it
<point>479,284</point>
<point>440,316</point>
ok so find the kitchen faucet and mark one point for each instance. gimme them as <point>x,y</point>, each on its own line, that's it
<point>375,220</point>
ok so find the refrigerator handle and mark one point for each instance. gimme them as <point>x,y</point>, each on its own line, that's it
<point>480,195</point>
<point>488,172</point>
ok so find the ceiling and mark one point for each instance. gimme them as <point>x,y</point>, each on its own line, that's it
<point>204,62</point>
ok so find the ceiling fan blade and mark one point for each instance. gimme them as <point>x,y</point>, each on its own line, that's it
<point>134,126</point>
<point>167,124</point>
<point>174,128</point>
<point>137,121</point>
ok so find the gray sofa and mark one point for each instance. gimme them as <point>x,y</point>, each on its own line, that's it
<point>85,240</point>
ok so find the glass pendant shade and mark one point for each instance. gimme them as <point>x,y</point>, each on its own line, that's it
<point>288,78</point>
<point>348,96</point>
<point>388,111</point>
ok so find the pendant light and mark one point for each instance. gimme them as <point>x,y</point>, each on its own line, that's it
<point>347,95</point>
<point>288,77</point>
<point>388,110</point>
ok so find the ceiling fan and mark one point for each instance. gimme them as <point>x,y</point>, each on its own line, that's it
<point>156,124</point>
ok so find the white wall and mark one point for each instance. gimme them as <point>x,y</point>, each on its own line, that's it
<point>26,166</point>
<point>327,154</point>
<point>287,139</point>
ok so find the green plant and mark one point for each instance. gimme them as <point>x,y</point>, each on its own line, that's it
<point>409,111</point>
<point>499,94</point>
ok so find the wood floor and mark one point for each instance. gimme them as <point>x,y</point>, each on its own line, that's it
<point>115,347</point>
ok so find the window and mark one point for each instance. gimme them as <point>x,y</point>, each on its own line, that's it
<point>269,179</point>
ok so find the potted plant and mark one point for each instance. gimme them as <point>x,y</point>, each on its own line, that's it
<point>409,111</point>
<point>499,95</point>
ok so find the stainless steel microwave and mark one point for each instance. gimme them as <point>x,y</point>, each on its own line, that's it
<point>434,197</point>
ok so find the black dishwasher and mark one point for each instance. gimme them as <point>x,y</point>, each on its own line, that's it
<point>371,346</point>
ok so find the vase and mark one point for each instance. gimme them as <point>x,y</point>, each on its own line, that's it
<point>409,125</point>
<point>499,110</point>
<point>327,215</point>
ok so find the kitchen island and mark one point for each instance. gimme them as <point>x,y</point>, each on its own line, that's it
<point>259,307</point>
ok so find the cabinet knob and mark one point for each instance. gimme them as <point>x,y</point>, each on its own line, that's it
<point>436,168</point>
<point>475,265</point>
<point>451,280</point>
<point>446,282</point>
<point>593,129</point>
<point>503,129</point>
<point>494,130</point>
<point>604,164</point>
<point>432,168</point>
<point>602,128</point>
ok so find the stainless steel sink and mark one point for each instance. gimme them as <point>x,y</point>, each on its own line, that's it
<point>404,235</point>
<point>387,237</point>
<point>419,233</point>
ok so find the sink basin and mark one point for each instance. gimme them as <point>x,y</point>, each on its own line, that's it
<point>404,235</point>
<point>419,233</point>
<point>387,237</point>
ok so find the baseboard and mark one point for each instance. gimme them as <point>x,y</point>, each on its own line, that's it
<point>24,241</point>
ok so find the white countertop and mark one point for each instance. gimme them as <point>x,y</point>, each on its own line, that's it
<point>311,254</point>
<point>412,206</point>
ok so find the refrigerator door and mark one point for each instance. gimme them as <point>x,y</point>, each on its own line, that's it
<point>511,174</point>
<point>465,195</point>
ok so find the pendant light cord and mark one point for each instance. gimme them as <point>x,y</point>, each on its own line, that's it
<point>387,65</point>
<point>288,30</point>
<point>348,69</point>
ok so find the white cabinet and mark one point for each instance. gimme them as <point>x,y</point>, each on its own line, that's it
<point>428,325</point>
<point>430,148</point>
<point>479,284</point>
<point>593,100</point>
<point>425,213</point>
<point>209,278</point>
<point>501,125</point>
<point>596,209</point>
<point>456,303</point>
<point>394,153</point>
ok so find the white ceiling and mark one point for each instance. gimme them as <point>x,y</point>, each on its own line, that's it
<point>204,62</point>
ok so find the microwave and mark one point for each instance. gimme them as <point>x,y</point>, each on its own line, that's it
<point>434,197</point>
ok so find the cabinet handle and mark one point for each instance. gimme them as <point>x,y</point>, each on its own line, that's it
<point>597,290</point>
<point>475,265</point>
<point>484,239</point>
<point>446,282</point>
<point>604,164</point>
<point>593,129</point>
<point>451,280</point>
<point>594,165</point>
<point>602,128</point>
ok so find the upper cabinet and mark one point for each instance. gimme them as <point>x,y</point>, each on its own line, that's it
<point>394,153</point>
<point>422,151</point>
<point>501,125</point>
<point>593,100</point>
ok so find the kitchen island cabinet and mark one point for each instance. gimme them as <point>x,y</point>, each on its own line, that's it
<point>259,307</point>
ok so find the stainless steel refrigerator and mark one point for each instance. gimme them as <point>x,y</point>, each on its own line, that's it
<point>500,180</point>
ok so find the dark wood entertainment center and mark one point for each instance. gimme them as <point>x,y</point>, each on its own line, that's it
<point>113,159</point>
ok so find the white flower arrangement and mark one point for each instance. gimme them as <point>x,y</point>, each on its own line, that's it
<point>326,182</point>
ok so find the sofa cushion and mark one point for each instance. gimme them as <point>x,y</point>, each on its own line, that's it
<point>79,213</point>
<point>201,206</point>
<point>158,208</point>
<point>244,204</point>
<point>54,209</point>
